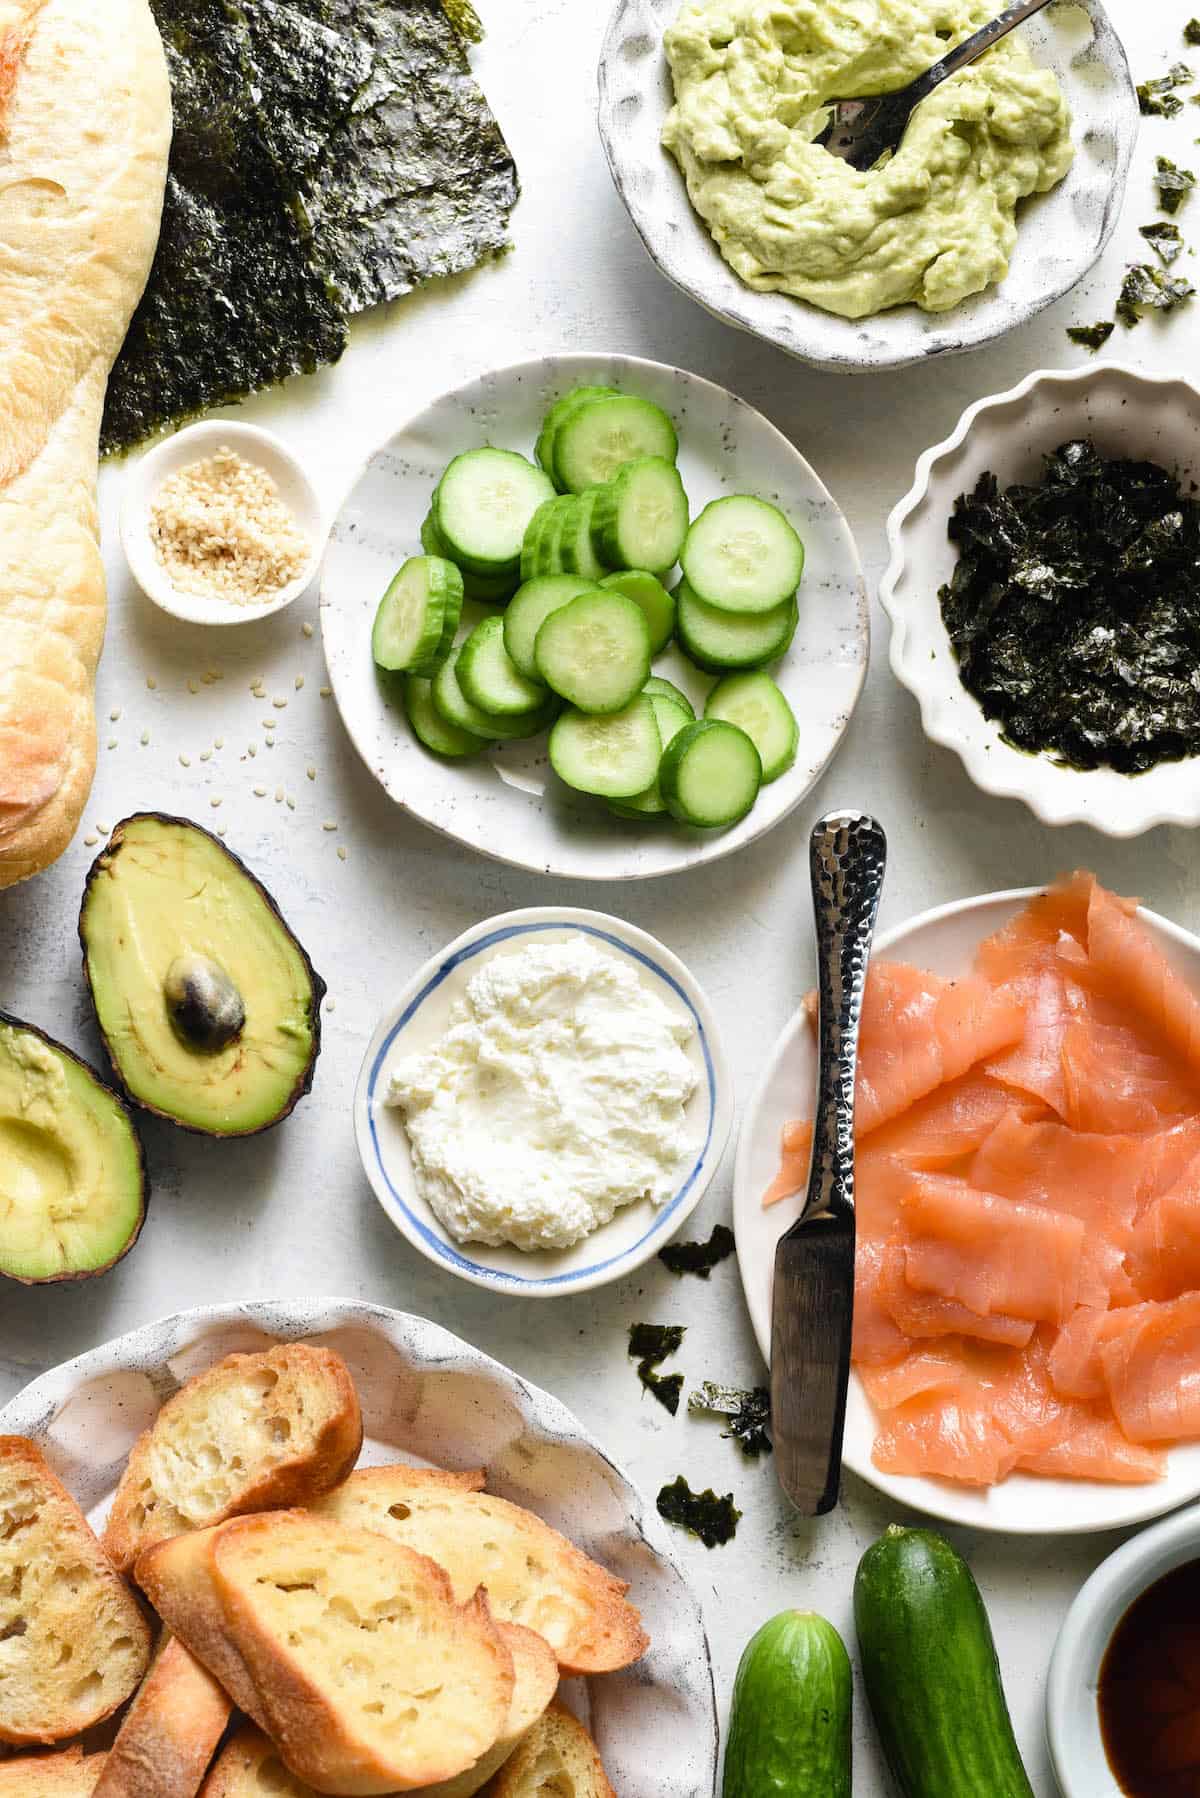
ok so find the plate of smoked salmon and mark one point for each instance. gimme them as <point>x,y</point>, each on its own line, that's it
<point>1027,1279</point>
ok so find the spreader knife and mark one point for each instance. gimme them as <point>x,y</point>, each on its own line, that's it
<point>813,1301</point>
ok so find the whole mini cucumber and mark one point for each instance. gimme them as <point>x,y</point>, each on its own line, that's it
<point>931,1673</point>
<point>789,1725</point>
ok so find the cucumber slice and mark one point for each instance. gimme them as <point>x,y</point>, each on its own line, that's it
<point>742,555</point>
<point>711,774</point>
<point>452,704</point>
<point>430,728</point>
<point>528,610</point>
<point>668,689</point>
<point>555,417</point>
<point>717,640</point>
<point>640,518</point>
<point>595,651</point>
<point>417,615</point>
<point>599,436</point>
<point>488,678</point>
<point>488,589</point>
<point>647,591</point>
<point>671,718</point>
<point>754,703</point>
<point>616,756</point>
<point>547,558</point>
<point>483,505</point>
<point>576,539</point>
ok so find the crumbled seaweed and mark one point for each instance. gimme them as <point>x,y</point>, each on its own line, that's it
<point>698,1257</point>
<point>1074,610</point>
<point>234,301</point>
<point>1166,239</point>
<point>1092,337</point>
<point>465,20</point>
<point>651,1344</point>
<point>713,1519</point>
<point>749,1413</point>
<point>1173,184</point>
<point>1157,98</point>
<point>1145,286</point>
<point>417,181</point>
<point>1191,32</point>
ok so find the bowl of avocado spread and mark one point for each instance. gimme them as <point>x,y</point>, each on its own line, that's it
<point>1000,196</point>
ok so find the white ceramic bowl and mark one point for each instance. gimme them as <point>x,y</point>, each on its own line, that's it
<point>431,1399</point>
<point>1062,234</point>
<point>1128,413</point>
<point>506,803</point>
<point>420,1015</point>
<point>944,941</point>
<point>1072,1714</point>
<point>143,480</point>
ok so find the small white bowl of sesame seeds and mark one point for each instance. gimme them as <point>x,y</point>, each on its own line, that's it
<point>221,525</point>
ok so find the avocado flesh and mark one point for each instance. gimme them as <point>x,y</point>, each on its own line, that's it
<point>163,890</point>
<point>72,1186</point>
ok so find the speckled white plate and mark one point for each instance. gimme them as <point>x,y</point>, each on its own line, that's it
<point>1062,234</point>
<point>429,1398</point>
<point>944,941</point>
<point>508,804</point>
<point>1128,413</point>
<point>421,1014</point>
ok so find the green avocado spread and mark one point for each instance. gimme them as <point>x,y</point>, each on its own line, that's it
<point>931,224</point>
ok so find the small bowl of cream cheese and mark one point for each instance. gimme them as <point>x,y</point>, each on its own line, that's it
<point>545,1103</point>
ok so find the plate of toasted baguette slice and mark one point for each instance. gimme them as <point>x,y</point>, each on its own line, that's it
<point>276,1550</point>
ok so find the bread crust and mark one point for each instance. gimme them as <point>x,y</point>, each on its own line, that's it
<point>236,1771</point>
<point>558,1742</point>
<point>170,1732</point>
<point>306,1378</point>
<point>69,1773</point>
<point>85,127</point>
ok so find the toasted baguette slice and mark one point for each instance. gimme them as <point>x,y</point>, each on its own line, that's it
<point>253,1433</point>
<point>169,1733</point>
<point>533,1575</point>
<point>557,1756</point>
<point>75,1642</point>
<point>250,1767</point>
<point>68,1774</point>
<point>348,1651</point>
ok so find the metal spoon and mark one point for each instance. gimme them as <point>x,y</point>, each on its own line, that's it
<point>861,131</point>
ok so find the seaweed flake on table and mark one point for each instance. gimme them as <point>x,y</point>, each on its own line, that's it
<point>748,1411</point>
<point>1148,287</point>
<point>1157,98</point>
<point>235,302</point>
<point>1166,238</point>
<point>698,1257</point>
<point>1074,610</point>
<point>1092,337</point>
<point>651,1344</point>
<point>713,1519</point>
<point>417,181</point>
<point>1172,183</point>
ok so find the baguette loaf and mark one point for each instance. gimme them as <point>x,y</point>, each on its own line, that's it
<point>533,1575</point>
<point>170,1732</point>
<point>85,126</point>
<point>73,1640</point>
<point>68,1774</point>
<point>557,1756</point>
<point>254,1432</point>
<point>348,1651</point>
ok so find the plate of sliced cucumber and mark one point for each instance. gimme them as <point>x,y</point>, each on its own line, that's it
<point>594,616</point>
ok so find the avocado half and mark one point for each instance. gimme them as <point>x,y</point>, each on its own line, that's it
<point>209,1008</point>
<point>73,1186</point>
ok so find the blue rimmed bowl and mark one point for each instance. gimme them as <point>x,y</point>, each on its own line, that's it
<point>421,1014</point>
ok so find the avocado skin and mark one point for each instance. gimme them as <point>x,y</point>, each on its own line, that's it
<point>119,1100</point>
<point>303,1085</point>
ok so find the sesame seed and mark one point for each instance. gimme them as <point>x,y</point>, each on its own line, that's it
<point>185,761</point>
<point>220,830</point>
<point>260,792</point>
<point>341,852</point>
<point>214,803</point>
<point>279,795</point>
<point>151,682</point>
<point>193,686</point>
<point>112,742</point>
<point>325,692</point>
<point>145,738</point>
<point>252,749</point>
<point>91,839</point>
<point>218,742</point>
<point>114,714</point>
<point>104,829</point>
<point>331,1004</point>
<point>279,704</point>
<point>206,755</point>
<point>329,824</point>
<point>291,803</point>
<point>269,723</point>
<point>311,772</point>
<point>299,682</point>
<point>307,628</point>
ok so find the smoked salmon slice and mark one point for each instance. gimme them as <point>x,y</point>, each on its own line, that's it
<point>1164,1250</point>
<point>989,1253</point>
<point>1134,969</point>
<point>921,1315</point>
<point>1151,1366</point>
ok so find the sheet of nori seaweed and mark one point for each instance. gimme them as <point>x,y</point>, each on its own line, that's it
<point>235,300</point>
<point>417,181</point>
<point>306,75</point>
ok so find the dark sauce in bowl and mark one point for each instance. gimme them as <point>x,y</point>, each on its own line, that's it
<point>1149,1693</point>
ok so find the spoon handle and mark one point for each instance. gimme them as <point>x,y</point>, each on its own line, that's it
<point>847,857</point>
<point>974,46</point>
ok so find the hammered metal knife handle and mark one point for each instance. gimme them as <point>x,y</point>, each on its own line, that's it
<point>847,857</point>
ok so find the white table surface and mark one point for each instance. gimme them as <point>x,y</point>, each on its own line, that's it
<point>290,1212</point>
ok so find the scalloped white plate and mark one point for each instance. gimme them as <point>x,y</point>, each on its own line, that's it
<point>507,803</point>
<point>944,941</point>
<point>1061,234</point>
<point>429,1398</point>
<point>1128,413</point>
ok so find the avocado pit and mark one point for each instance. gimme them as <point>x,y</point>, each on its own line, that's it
<point>206,1009</point>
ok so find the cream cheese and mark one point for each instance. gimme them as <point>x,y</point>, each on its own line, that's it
<point>556,1096</point>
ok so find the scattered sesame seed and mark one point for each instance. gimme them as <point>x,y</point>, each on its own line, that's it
<point>291,803</point>
<point>331,1004</point>
<point>329,824</point>
<point>279,795</point>
<point>252,749</point>
<point>112,742</point>
<point>145,738</point>
<point>221,830</point>
<point>193,686</point>
<point>325,692</point>
<point>151,682</point>
<point>311,772</point>
<point>211,675</point>
<point>185,761</point>
<point>269,723</point>
<point>279,704</point>
<point>214,803</point>
<point>114,714</point>
<point>206,755</point>
<point>299,682</point>
<point>91,839</point>
<point>341,852</point>
<point>307,628</point>
<point>104,829</point>
<point>218,742</point>
<point>260,792</point>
